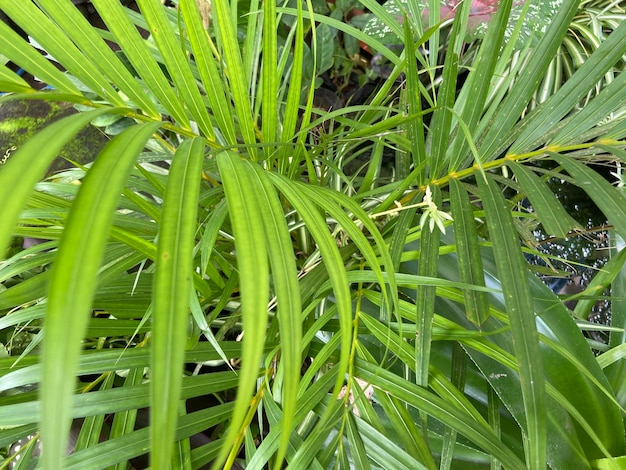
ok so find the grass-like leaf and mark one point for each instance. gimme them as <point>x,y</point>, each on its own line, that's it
<point>177,64</point>
<point>512,272</point>
<point>241,188</point>
<point>468,249</point>
<point>22,167</point>
<point>554,218</point>
<point>172,282</point>
<point>72,284</point>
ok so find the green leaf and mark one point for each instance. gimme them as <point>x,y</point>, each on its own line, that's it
<point>540,123</point>
<point>512,272</point>
<point>235,71</point>
<point>478,85</point>
<point>421,399</point>
<point>269,79</point>
<point>285,283</point>
<point>415,128</point>
<point>73,281</point>
<point>468,252</point>
<point>177,64</point>
<point>172,280</point>
<point>512,107</point>
<point>56,42</point>
<point>98,52</point>
<point>23,168</point>
<point>214,84</point>
<point>425,304</point>
<point>292,111</point>
<point>22,54</point>
<point>610,200</point>
<point>136,50</point>
<point>241,188</point>
<point>554,218</point>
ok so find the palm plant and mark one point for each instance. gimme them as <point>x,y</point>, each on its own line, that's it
<point>339,318</point>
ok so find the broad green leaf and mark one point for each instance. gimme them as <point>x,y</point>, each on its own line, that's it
<point>73,281</point>
<point>172,279</point>
<point>512,272</point>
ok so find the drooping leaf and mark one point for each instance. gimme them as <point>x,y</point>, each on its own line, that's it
<point>512,272</point>
<point>72,283</point>
<point>554,218</point>
<point>172,280</point>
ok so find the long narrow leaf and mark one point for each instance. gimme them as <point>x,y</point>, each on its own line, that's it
<point>241,188</point>
<point>172,282</point>
<point>477,87</point>
<point>424,400</point>
<point>98,52</point>
<point>73,282</point>
<point>468,250</point>
<point>23,167</point>
<point>512,272</point>
<point>176,63</point>
<point>610,200</point>
<point>561,103</point>
<point>235,71</point>
<point>285,282</point>
<point>140,56</point>
<point>56,43</point>
<point>269,79</point>
<point>554,218</point>
<point>22,54</point>
<point>511,108</point>
<point>207,66</point>
<point>425,303</point>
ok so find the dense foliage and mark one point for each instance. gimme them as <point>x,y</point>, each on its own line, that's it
<point>346,287</point>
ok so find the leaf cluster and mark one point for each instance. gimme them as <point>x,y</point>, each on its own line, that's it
<point>339,289</point>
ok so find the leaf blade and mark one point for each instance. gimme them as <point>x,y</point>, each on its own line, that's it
<point>173,276</point>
